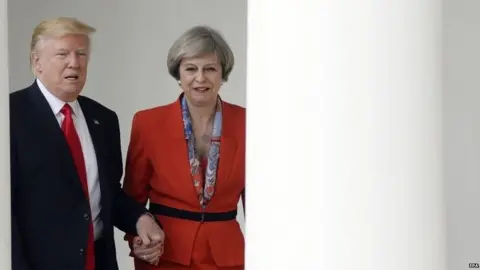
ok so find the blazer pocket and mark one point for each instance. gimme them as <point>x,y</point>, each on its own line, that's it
<point>228,245</point>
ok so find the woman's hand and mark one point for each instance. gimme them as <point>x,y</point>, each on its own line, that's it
<point>150,253</point>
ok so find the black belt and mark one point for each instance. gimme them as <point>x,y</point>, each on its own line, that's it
<point>163,210</point>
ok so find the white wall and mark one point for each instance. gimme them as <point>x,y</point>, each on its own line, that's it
<point>128,67</point>
<point>363,90</point>
<point>461,42</point>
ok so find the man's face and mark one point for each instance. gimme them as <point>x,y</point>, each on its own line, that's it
<point>61,64</point>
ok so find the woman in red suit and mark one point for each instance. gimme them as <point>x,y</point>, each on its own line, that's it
<point>187,159</point>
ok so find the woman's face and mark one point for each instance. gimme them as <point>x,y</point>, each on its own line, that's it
<point>201,78</point>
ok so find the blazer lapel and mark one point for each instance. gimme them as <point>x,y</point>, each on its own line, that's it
<point>176,147</point>
<point>228,145</point>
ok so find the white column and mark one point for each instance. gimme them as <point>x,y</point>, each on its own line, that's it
<point>344,135</point>
<point>5,257</point>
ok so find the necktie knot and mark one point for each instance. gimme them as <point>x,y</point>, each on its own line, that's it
<point>66,110</point>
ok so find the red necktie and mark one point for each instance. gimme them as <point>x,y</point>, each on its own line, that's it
<point>73,140</point>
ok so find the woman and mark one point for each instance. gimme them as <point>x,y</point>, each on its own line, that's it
<point>188,159</point>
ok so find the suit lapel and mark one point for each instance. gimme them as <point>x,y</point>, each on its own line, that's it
<point>95,128</point>
<point>50,132</point>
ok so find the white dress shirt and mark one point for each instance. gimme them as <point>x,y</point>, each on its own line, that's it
<point>88,152</point>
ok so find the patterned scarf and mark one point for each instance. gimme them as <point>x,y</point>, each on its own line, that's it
<point>205,192</point>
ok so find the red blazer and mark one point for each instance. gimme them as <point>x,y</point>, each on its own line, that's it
<point>157,168</point>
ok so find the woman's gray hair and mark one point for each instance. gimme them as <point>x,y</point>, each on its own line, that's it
<point>196,41</point>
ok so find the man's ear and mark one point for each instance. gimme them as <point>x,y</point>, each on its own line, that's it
<point>35,60</point>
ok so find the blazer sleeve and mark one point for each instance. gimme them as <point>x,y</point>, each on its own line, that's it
<point>138,170</point>
<point>126,210</point>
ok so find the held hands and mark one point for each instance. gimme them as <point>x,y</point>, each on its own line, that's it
<point>149,253</point>
<point>148,245</point>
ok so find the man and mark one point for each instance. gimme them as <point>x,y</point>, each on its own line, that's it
<point>66,164</point>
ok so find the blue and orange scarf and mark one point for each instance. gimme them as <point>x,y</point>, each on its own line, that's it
<point>205,190</point>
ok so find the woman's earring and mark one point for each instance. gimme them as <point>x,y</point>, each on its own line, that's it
<point>179,83</point>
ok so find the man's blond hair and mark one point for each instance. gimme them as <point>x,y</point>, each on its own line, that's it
<point>58,27</point>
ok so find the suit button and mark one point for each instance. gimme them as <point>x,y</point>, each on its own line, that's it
<point>86,216</point>
<point>81,251</point>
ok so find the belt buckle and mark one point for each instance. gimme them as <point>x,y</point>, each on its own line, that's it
<point>202,217</point>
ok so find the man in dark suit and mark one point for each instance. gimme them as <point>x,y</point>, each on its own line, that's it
<point>66,164</point>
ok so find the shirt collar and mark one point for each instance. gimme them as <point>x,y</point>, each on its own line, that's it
<point>55,103</point>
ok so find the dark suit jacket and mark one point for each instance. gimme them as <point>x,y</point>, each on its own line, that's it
<point>50,213</point>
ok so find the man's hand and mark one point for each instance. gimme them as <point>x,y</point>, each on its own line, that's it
<point>148,245</point>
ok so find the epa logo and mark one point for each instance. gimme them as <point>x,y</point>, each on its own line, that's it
<point>473,265</point>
